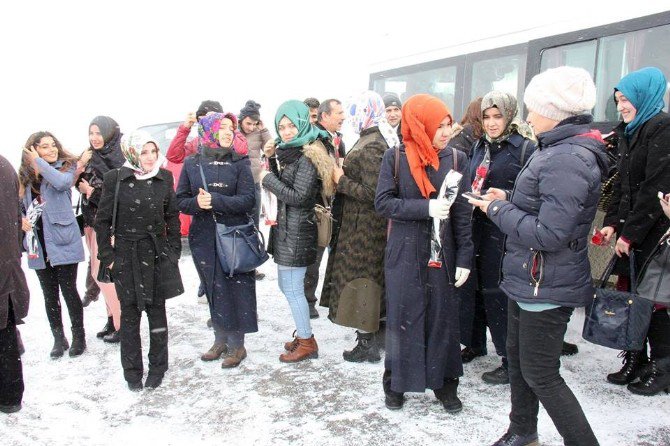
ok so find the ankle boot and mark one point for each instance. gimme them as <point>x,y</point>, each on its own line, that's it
<point>468,354</point>
<point>291,345</point>
<point>569,349</point>
<point>60,344</point>
<point>113,338</point>
<point>510,439</point>
<point>233,357</point>
<point>448,395</point>
<point>393,400</point>
<point>305,349</point>
<point>215,351</point>
<point>107,329</point>
<point>658,379</point>
<point>365,350</point>
<point>78,342</point>
<point>633,365</point>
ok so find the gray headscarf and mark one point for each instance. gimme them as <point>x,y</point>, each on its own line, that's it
<point>507,104</point>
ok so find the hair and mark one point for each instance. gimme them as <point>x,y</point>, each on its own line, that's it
<point>312,102</point>
<point>473,117</point>
<point>27,174</point>
<point>326,107</point>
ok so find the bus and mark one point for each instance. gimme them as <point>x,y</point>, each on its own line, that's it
<point>608,52</point>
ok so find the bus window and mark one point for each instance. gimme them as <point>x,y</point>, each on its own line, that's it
<point>582,55</point>
<point>501,74</point>
<point>440,82</point>
<point>620,54</point>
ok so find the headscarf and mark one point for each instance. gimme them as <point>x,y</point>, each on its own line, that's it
<point>421,117</point>
<point>110,156</point>
<point>367,110</point>
<point>508,106</point>
<point>645,89</point>
<point>208,133</point>
<point>298,113</point>
<point>131,147</point>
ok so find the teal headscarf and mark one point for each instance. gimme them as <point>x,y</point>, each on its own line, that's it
<point>298,113</point>
<point>645,89</point>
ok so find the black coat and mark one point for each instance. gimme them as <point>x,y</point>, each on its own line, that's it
<point>644,170</point>
<point>232,300</point>
<point>464,140</point>
<point>422,328</point>
<point>147,240</point>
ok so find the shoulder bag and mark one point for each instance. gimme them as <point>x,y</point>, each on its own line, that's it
<point>104,273</point>
<point>655,278</point>
<point>324,222</point>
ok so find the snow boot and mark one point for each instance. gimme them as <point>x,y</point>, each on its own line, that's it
<point>468,354</point>
<point>313,314</point>
<point>569,349</point>
<point>510,439</point>
<point>233,357</point>
<point>214,352</point>
<point>497,376</point>
<point>60,343</point>
<point>448,395</point>
<point>113,338</point>
<point>78,342</point>
<point>393,400</point>
<point>288,346</point>
<point>633,366</point>
<point>658,379</point>
<point>135,386</point>
<point>107,329</point>
<point>10,408</point>
<point>305,349</point>
<point>153,380</point>
<point>366,349</point>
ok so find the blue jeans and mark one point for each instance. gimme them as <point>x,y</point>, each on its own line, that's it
<point>291,283</point>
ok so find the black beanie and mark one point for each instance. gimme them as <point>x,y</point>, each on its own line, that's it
<point>251,109</point>
<point>208,106</point>
<point>392,99</point>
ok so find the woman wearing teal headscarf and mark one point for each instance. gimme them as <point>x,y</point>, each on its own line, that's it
<point>634,214</point>
<point>301,170</point>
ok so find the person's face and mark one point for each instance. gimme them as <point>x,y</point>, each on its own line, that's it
<point>95,137</point>
<point>539,123</point>
<point>393,115</point>
<point>287,129</point>
<point>226,132</point>
<point>494,122</point>
<point>443,134</point>
<point>148,156</point>
<point>313,115</point>
<point>248,125</point>
<point>47,149</point>
<point>625,107</point>
<point>333,121</point>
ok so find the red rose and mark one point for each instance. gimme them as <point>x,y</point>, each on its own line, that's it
<point>482,171</point>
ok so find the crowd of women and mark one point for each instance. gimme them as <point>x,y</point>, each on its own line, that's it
<point>411,253</point>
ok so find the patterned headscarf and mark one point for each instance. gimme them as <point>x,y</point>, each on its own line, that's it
<point>131,147</point>
<point>208,128</point>
<point>367,110</point>
<point>508,106</point>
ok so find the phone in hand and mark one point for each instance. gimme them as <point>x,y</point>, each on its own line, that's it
<point>471,196</point>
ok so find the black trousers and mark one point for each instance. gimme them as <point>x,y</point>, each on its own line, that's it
<point>312,277</point>
<point>659,334</point>
<point>61,279</point>
<point>534,343</point>
<point>11,370</point>
<point>131,343</point>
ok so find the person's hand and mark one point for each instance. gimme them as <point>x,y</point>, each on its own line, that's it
<point>85,157</point>
<point>111,265</point>
<point>461,276</point>
<point>25,225</point>
<point>494,194</point>
<point>260,125</point>
<point>481,204</point>
<point>665,204</point>
<point>32,153</point>
<point>438,208</point>
<point>190,120</point>
<point>621,247</point>
<point>269,148</point>
<point>85,188</point>
<point>204,199</point>
<point>338,173</point>
<point>607,232</point>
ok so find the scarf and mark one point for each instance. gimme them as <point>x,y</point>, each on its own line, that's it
<point>131,147</point>
<point>208,133</point>
<point>288,155</point>
<point>298,114</point>
<point>421,117</point>
<point>366,111</point>
<point>110,156</point>
<point>645,89</point>
<point>508,106</point>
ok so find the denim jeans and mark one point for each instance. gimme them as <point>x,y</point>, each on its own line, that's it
<point>534,343</point>
<point>291,283</point>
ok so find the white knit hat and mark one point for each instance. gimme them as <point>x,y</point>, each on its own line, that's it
<point>559,93</point>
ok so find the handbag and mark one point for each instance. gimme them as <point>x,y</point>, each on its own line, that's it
<point>617,319</point>
<point>104,273</point>
<point>80,217</point>
<point>240,249</point>
<point>324,222</point>
<point>654,282</point>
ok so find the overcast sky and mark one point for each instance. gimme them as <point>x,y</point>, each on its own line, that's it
<point>145,62</point>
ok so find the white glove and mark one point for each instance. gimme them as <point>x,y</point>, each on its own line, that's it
<point>438,208</point>
<point>462,275</point>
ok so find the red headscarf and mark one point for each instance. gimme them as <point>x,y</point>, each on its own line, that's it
<point>421,117</point>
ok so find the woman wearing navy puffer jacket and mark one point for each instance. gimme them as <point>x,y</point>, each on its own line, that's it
<point>546,272</point>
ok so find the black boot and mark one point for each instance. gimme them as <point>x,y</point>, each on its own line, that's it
<point>633,365</point>
<point>510,439</point>
<point>468,354</point>
<point>107,329</point>
<point>497,376</point>
<point>113,338</point>
<point>60,343</point>
<point>658,379</point>
<point>448,395</point>
<point>393,400</point>
<point>78,342</point>
<point>569,349</point>
<point>313,313</point>
<point>365,350</point>
<point>153,380</point>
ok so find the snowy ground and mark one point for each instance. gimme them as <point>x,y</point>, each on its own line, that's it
<point>326,401</point>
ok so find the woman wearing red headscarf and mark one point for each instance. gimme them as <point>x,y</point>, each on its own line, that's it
<point>422,331</point>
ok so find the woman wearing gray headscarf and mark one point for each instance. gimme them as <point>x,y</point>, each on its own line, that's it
<point>495,161</point>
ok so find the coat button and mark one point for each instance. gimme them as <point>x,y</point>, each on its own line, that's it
<point>495,208</point>
<point>150,227</point>
<point>525,265</point>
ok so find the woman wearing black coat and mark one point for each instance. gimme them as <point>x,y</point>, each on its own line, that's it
<point>141,250</point>
<point>634,214</point>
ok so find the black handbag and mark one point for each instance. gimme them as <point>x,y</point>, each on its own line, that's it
<point>79,217</point>
<point>655,278</point>
<point>104,273</point>
<point>617,319</point>
<point>240,249</point>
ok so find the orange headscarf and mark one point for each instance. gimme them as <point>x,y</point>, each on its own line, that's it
<point>421,117</point>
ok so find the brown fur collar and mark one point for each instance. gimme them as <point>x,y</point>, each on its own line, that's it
<point>317,153</point>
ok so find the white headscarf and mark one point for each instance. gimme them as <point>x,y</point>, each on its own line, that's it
<point>131,146</point>
<point>367,110</point>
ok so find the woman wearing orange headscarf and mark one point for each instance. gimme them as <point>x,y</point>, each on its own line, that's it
<point>422,332</point>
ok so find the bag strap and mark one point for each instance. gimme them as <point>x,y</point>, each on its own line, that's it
<point>454,154</point>
<point>633,275</point>
<point>76,211</point>
<point>396,167</point>
<point>202,175</point>
<point>523,151</point>
<point>116,200</point>
<point>610,268</point>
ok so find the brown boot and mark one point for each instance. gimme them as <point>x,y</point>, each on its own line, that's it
<point>214,352</point>
<point>288,346</point>
<point>233,357</point>
<point>305,349</point>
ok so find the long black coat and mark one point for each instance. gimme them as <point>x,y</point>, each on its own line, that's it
<point>422,328</point>
<point>147,240</point>
<point>232,300</point>
<point>644,170</point>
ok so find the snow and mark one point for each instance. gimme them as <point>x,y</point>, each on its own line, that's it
<point>324,401</point>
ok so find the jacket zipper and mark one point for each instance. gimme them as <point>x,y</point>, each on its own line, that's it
<point>537,267</point>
